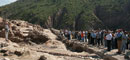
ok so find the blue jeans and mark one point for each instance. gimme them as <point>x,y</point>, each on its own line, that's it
<point>123,46</point>
<point>83,39</point>
<point>113,44</point>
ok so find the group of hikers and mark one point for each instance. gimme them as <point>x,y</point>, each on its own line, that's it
<point>119,39</point>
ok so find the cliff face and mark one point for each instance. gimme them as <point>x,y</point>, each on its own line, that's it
<point>116,17</point>
<point>71,14</point>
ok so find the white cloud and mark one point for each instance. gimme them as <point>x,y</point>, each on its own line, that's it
<point>5,2</point>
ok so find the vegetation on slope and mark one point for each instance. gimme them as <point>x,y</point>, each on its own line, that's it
<point>72,14</point>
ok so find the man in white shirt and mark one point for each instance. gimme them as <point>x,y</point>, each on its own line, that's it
<point>109,38</point>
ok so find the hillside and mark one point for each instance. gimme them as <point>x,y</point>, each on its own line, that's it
<point>72,14</point>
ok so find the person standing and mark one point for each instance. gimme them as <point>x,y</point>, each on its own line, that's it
<point>115,38</point>
<point>82,36</point>
<point>124,41</point>
<point>105,41</point>
<point>109,38</point>
<point>86,36</point>
<point>128,40</point>
<point>7,29</point>
<point>93,35</point>
<point>76,34</point>
<point>119,41</point>
<point>79,34</point>
<point>66,33</point>
<point>73,34</point>
<point>69,36</point>
<point>102,37</point>
<point>98,38</point>
<point>89,37</point>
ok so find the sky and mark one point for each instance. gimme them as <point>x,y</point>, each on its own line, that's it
<point>5,2</point>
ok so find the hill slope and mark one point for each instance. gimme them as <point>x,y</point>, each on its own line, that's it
<point>73,14</point>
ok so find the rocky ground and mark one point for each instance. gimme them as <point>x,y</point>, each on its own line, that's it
<point>112,54</point>
<point>32,42</point>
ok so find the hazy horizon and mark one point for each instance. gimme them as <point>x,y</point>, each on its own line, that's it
<point>5,2</point>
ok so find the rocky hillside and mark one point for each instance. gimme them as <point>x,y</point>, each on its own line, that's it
<point>32,42</point>
<point>73,14</point>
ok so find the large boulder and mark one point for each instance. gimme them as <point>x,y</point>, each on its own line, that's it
<point>38,37</point>
<point>24,31</point>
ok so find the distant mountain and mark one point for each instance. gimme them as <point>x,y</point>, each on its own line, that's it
<point>71,14</point>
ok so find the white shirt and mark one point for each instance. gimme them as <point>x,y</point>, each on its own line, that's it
<point>109,37</point>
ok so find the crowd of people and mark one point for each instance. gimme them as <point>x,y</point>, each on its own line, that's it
<point>119,39</point>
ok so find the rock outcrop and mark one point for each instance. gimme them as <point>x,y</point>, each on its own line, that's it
<point>32,42</point>
<point>21,30</point>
